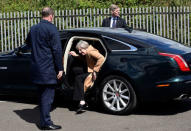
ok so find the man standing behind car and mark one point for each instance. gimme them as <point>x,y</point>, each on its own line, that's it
<point>46,64</point>
<point>115,21</point>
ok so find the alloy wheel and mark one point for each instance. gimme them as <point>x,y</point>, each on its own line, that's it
<point>116,95</point>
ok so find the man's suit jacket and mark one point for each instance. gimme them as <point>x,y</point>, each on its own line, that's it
<point>46,55</point>
<point>119,24</point>
<point>94,62</point>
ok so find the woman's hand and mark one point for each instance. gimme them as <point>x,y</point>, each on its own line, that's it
<point>73,53</point>
<point>94,76</point>
<point>59,76</point>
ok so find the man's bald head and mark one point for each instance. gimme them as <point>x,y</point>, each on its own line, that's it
<point>47,11</point>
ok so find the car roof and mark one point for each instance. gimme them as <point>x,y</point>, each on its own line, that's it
<point>99,30</point>
<point>145,38</point>
<point>117,33</point>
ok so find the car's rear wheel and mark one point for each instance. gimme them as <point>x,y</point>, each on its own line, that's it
<point>117,95</point>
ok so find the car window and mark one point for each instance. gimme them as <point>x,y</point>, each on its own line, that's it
<point>161,43</point>
<point>116,45</point>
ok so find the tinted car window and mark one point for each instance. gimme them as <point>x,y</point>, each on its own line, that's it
<point>116,45</point>
<point>163,44</point>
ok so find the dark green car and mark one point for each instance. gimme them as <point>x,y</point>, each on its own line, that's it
<point>138,67</point>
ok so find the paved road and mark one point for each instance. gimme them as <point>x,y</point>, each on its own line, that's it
<point>22,115</point>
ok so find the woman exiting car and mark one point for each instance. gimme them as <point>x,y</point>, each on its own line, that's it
<point>90,60</point>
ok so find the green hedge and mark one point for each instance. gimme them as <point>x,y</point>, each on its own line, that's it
<point>24,5</point>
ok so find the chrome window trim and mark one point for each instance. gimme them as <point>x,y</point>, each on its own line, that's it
<point>132,48</point>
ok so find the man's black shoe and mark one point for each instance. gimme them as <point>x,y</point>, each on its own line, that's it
<point>51,127</point>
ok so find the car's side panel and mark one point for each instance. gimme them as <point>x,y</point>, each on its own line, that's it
<point>15,73</point>
<point>144,71</point>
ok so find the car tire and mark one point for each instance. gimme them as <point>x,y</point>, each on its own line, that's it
<point>117,95</point>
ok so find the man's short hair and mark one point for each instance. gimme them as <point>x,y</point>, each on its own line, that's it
<point>47,11</point>
<point>113,7</point>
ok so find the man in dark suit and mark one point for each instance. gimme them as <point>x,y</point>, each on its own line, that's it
<point>46,64</point>
<point>114,21</point>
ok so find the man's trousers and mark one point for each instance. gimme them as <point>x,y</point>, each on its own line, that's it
<point>46,98</point>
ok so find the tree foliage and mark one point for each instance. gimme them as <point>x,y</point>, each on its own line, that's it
<point>23,5</point>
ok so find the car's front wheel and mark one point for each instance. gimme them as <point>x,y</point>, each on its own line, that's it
<point>117,95</point>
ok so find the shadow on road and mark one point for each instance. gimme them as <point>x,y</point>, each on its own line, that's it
<point>164,108</point>
<point>155,108</point>
<point>29,115</point>
<point>19,99</point>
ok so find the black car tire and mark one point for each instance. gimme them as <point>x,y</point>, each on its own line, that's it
<point>117,95</point>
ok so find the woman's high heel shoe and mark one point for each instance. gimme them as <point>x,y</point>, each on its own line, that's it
<point>81,108</point>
